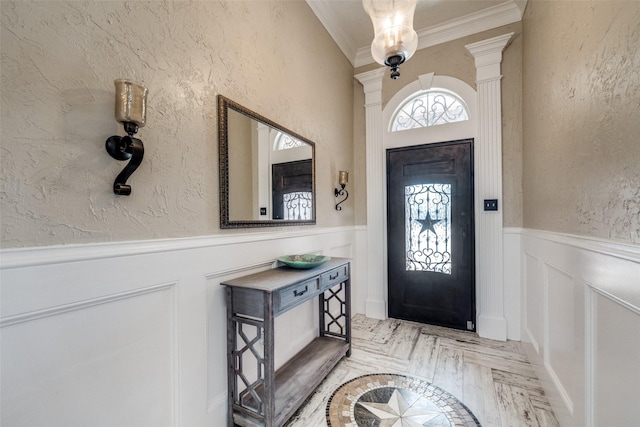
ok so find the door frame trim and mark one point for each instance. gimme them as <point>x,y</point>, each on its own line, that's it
<point>487,134</point>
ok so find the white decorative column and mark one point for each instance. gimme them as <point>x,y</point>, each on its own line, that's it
<point>488,153</point>
<point>376,306</point>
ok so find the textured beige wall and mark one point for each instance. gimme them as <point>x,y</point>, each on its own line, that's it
<point>581,112</point>
<point>452,59</point>
<point>241,172</point>
<point>58,63</point>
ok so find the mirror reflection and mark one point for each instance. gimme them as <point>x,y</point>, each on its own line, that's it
<point>266,171</point>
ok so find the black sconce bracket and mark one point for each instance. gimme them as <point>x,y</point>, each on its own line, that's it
<point>339,193</point>
<point>124,148</point>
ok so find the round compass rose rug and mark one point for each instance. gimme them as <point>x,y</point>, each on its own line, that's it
<point>390,400</point>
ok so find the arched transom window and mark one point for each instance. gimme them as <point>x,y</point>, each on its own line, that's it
<point>284,142</point>
<point>429,108</point>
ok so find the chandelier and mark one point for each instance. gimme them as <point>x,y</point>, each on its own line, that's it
<point>395,40</point>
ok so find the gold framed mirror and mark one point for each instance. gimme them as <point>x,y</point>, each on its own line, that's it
<point>267,172</point>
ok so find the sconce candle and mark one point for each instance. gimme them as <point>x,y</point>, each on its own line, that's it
<point>343,179</point>
<point>131,102</point>
<point>131,111</point>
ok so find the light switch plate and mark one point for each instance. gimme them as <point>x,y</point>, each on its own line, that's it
<point>490,204</point>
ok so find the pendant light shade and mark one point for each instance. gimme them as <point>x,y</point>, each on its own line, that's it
<point>395,40</point>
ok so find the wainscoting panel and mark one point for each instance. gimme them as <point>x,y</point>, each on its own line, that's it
<point>581,321</point>
<point>120,346</point>
<point>560,345</point>
<point>616,375</point>
<point>534,302</point>
<point>513,283</point>
<point>133,334</point>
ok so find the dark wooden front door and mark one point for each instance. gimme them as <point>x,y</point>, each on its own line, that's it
<point>430,234</point>
<point>292,196</point>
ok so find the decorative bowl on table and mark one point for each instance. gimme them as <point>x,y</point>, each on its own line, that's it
<point>304,261</point>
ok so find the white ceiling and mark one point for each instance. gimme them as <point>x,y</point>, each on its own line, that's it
<point>436,21</point>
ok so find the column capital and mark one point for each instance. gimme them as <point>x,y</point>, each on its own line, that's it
<point>488,55</point>
<point>372,82</point>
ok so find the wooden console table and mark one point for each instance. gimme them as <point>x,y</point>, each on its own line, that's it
<point>258,395</point>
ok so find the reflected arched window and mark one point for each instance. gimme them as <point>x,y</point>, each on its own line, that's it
<point>284,142</point>
<point>429,108</point>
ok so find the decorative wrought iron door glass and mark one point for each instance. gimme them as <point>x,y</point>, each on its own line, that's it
<point>298,205</point>
<point>428,227</point>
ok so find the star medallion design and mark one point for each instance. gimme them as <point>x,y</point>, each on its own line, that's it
<point>392,400</point>
<point>398,407</point>
<point>427,223</point>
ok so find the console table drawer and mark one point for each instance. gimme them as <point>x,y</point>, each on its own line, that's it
<point>335,276</point>
<point>293,295</point>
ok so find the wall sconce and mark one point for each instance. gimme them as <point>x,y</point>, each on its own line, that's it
<point>394,40</point>
<point>343,178</point>
<point>131,111</point>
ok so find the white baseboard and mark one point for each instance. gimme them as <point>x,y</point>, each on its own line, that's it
<point>494,328</point>
<point>376,309</point>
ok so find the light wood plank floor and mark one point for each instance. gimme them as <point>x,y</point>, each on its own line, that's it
<point>492,378</point>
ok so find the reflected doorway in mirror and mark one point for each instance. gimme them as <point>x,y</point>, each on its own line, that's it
<point>250,147</point>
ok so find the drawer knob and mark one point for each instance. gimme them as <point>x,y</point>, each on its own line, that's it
<point>334,277</point>
<point>297,293</point>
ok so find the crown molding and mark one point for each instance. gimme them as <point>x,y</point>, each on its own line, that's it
<point>325,16</point>
<point>492,17</point>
